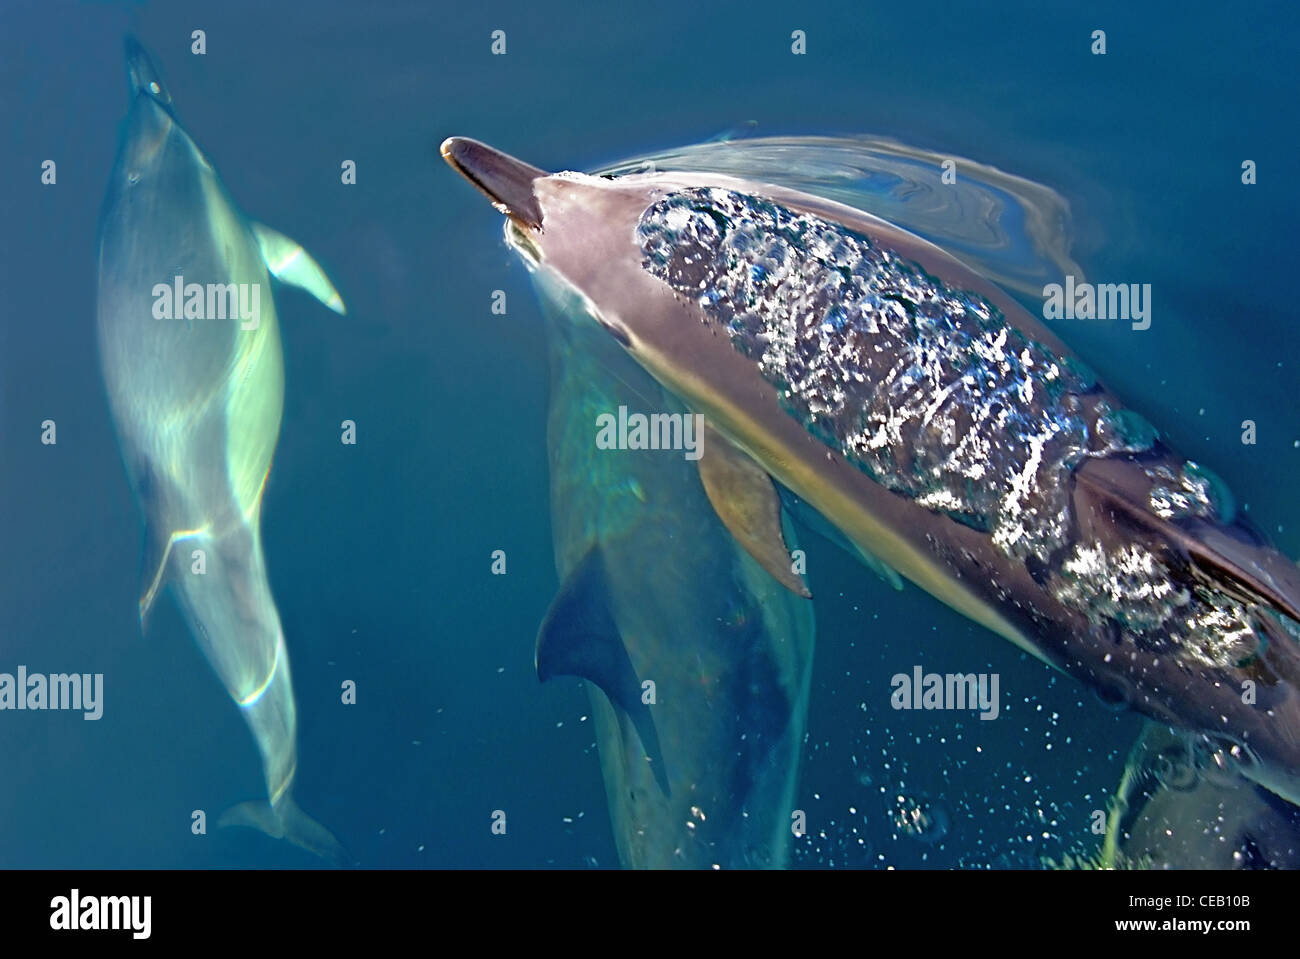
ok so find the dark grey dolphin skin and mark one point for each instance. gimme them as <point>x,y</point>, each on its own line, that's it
<point>1178,807</point>
<point>940,427</point>
<point>653,588</point>
<point>197,403</point>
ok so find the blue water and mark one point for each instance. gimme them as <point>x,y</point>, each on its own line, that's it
<point>379,553</point>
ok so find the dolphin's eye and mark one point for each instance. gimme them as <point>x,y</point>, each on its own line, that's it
<point>154,88</point>
<point>614,331</point>
<point>133,177</point>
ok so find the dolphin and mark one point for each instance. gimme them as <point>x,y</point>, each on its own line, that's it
<point>196,401</point>
<point>1179,806</point>
<point>941,428</point>
<point>703,772</point>
<point>621,504</point>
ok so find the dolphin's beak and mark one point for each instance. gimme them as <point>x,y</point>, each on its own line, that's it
<point>142,75</point>
<point>507,182</point>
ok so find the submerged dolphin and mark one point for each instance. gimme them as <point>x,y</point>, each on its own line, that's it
<point>655,590</point>
<point>1177,807</point>
<point>197,401</point>
<point>938,426</point>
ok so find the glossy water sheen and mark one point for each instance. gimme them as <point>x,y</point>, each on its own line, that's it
<point>924,387</point>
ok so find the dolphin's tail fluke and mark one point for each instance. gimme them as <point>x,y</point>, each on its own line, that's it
<point>288,821</point>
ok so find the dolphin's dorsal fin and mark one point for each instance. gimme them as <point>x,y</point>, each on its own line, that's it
<point>289,263</point>
<point>1232,559</point>
<point>746,500</point>
<point>1261,570</point>
<point>580,637</point>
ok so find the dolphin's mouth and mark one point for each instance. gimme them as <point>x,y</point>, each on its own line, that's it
<point>507,182</point>
<point>519,239</point>
<point>143,76</point>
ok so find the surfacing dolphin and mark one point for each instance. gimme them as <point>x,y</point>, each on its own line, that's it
<point>654,589</point>
<point>632,529</point>
<point>939,426</point>
<point>196,401</point>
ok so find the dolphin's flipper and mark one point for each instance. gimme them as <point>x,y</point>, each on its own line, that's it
<point>153,569</point>
<point>745,499</point>
<point>288,821</point>
<point>289,263</point>
<point>580,637</point>
<point>815,521</point>
<point>153,574</point>
<point>879,567</point>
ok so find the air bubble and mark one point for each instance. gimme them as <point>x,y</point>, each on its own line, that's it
<point>919,817</point>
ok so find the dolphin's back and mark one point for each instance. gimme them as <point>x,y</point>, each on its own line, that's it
<point>706,775</point>
<point>179,387</point>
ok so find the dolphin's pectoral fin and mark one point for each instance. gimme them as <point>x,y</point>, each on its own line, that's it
<point>289,263</point>
<point>815,521</point>
<point>746,500</point>
<point>879,567</point>
<point>579,637</point>
<point>153,569</point>
<point>153,573</point>
<point>1230,557</point>
<point>288,821</point>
